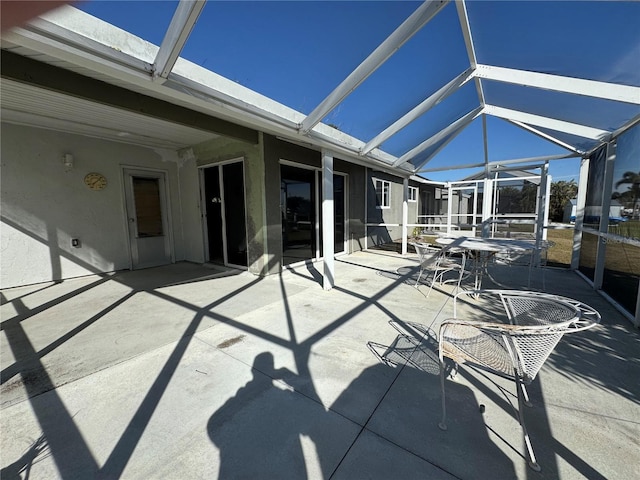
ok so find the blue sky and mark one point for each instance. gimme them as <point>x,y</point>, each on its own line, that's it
<point>296,52</point>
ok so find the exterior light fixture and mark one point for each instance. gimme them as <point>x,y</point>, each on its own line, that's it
<point>67,161</point>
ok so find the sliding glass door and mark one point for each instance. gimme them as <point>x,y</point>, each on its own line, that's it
<point>300,200</point>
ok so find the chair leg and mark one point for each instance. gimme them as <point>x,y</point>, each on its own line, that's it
<point>461,274</point>
<point>419,277</point>
<point>531,456</point>
<point>525,395</point>
<point>443,423</point>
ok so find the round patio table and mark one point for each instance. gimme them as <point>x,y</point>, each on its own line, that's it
<point>482,250</point>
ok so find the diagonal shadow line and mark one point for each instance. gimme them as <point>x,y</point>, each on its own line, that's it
<point>47,243</point>
<point>25,360</point>
<point>578,463</point>
<point>70,462</point>
<point>368,300</point>
<point>226,320</point>
<point>366,303</point>
<point>122,452</point>
<point>25,313</point>
<point>301,353</point>
<point>4,300</point>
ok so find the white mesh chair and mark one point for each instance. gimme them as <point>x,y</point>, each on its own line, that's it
<point>439,261</point>
<point>515,349</point>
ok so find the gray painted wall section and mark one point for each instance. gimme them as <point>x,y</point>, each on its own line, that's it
<point>379,235</point>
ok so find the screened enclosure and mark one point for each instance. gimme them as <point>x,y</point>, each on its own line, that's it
<point>480,111</point>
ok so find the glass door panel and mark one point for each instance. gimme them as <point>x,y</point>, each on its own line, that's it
<point>297,203</point>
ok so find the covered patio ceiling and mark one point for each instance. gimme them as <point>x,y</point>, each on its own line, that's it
<point>458,65</point>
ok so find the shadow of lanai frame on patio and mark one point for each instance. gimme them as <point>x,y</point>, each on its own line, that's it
<point>85,104</point>
<point>170,131</point>
<point>181,371</point>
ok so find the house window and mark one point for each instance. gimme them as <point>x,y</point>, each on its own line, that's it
<point>413,194</point>
<point>382,194</point>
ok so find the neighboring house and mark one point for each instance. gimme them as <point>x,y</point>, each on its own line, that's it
<point>592,214</point>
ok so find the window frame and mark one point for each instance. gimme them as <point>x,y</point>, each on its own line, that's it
<point>412,198</point>
<point>380,200</point>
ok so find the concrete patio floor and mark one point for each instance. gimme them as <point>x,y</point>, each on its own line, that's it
<point>189,372</point>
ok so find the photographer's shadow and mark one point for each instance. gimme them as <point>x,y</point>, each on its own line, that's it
<point>266,429</point>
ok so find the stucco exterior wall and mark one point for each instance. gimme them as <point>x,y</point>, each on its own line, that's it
<point>392,216</point>
<point>221,150</point>
<point>355,203</point>
<point>45,205</point>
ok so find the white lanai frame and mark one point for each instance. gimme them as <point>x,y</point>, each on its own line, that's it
<point>167,76</point>
<point>476,72</point>
<point>176,36</point>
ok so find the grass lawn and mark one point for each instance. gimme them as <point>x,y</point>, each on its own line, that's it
<point>560,254</point>
<point>620,257</point>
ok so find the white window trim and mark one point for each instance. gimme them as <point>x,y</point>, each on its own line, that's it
<point>415,194</point>
<point>375,182</point>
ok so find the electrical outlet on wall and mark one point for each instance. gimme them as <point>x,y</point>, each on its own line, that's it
<point>75,242</point>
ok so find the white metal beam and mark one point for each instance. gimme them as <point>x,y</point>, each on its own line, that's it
<point>630,124</point>
<point>546,136</point>
<point>578,86</point>
<point>546,122</point>
<point>453,127</point>
<point>388,47</point>
<point>463,17</point>
<point>452,167</point>
<point>49,38</point>
<point>176,36</point>
<point>542,158</point>
<point>416,112</point>
<point>496,163</point>
<point>436,151</point>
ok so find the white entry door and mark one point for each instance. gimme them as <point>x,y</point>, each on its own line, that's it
<point>146,200</point>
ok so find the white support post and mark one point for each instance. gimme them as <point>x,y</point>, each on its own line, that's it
<point>366,207</point>
<point>604,216</point>
<point>547,201</point>
<point>475,209</point>
<point>328,277</point>
<point>405,214</point>
<point>542,210</point>
<point>580,204</point>
<point>449,206</point>
<point>487,207</point>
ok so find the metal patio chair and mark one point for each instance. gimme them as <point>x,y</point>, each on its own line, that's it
<point>515,349</point>
<point>440,261</point>
<point>536,259</point>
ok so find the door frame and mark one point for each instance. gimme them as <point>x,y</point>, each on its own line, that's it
<point>318,206</point>
<point>165,204</point>
<point>203,210</point>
